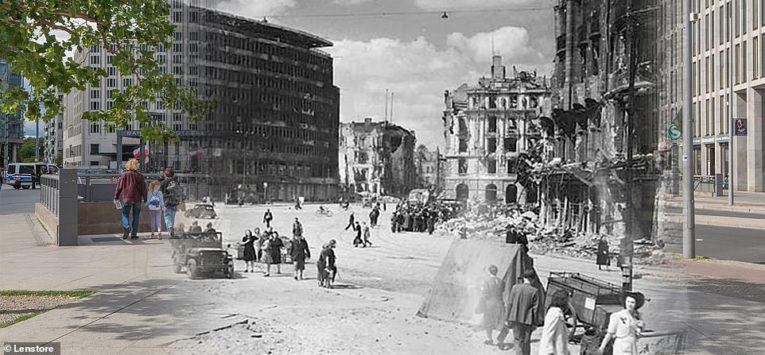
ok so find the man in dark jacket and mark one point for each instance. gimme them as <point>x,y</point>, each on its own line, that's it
<point>357,240</point>
<point>297,228</point>
<point>173,195</point>
<point>267,218</point>
<point>299,252</point>
<point>522,315</point>
<point>131,190</point>
<point>351,219</point>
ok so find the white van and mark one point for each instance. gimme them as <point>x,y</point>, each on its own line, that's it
<point>20,175</point>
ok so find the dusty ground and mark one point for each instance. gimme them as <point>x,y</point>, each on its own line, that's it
<point>373,309</point>
<point>12,307</point>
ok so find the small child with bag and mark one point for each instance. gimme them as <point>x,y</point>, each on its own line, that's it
<point>155,203</point>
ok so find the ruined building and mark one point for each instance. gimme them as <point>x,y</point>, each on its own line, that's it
<point>603,131</point>
<point>488,127</point>
<point>274,125</point>
<point>376,158</point>
<point>429,168</point>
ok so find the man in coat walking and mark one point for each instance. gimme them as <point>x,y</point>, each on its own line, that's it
<point>351,221</point>
<point>267,218</point>
<point>523,309</point>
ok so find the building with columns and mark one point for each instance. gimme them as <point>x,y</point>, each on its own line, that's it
<point>486,127</point>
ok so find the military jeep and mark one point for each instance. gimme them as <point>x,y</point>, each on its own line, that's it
<point>201,255</point>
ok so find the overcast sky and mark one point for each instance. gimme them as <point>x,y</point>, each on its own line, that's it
<point>416,55</point>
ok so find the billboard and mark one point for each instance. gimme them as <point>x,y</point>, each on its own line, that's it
<point>740,127</point>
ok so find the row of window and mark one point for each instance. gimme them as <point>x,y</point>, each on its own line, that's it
<point>463,166</point>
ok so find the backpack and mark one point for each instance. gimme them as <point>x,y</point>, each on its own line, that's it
<point>175,194</point>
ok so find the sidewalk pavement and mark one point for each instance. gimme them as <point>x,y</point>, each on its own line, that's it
<point>746,202</point>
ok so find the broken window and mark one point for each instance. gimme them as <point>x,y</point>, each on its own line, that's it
<point>511,145</point>
<point>463,166</point>
<point>463,145</point>
<point>491,165</point>
<point>492,145</point>
<point>492,124</point>
<point>492,102</point>
<point>514,101</point>
<point>463,127</point>
<point>512,166</point>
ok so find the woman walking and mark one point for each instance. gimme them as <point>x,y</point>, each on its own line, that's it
<point>603,257</point>
<point>491,304</point>
<point>326,265</point>
<point>299,252</point>
<point>131,190</point>
<point>274,253</point>
<point>249,251</point>
<point>625,327</point>
<point>155,203</point>
<point>554,339</point>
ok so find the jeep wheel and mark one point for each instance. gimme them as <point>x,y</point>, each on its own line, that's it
<point>26,187</point>
<point>191,269</point>
<point>177,268</point>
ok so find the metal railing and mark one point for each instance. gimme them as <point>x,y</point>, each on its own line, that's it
<point>49,192</point>
<point>708,183</point>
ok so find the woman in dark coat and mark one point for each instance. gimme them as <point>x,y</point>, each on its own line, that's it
<point>249,251</point>
<point>603,254</point>
<point>273,254</point>
<point>326,265</point>
<point>299,251</point>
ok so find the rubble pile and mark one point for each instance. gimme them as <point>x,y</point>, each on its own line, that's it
<point>544,239</point>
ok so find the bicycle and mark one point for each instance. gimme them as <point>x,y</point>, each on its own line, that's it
<point>323,212</point>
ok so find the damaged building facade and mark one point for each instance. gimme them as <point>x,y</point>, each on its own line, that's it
<point>376,158</point>
<point>488,128</point>
<point>273,126</point>
<point>429,168</point>
<point>599,174</point>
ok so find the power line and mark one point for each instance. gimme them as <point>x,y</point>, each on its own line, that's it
<point>414,13</point>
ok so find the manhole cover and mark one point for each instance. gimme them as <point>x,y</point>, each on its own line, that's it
<point>105,239</point>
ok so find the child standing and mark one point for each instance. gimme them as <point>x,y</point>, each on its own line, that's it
<point>155,202</point>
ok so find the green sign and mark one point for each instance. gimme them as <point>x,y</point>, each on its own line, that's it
<point>674,133</point>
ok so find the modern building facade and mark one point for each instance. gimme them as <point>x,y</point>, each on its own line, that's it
<point>486,127</point>
<point>53,149</point>
<point>274,126</point>
<point>726,33</point>
<point>11,126</point>
<point>376,158</point>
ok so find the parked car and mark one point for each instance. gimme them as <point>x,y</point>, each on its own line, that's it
<point>201,210</point>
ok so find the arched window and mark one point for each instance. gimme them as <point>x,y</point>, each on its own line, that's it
<point>511,194</point>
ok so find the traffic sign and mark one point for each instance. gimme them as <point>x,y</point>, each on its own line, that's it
<point>674,133</point>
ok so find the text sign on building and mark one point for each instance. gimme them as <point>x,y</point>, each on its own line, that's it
<point>740,127</point>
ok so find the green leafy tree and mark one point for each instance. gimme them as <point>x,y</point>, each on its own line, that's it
<point>26,153</point>
<point>128,29</point>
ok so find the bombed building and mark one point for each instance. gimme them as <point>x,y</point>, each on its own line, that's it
<point>603,129</point>
<point>429,168</point>
<point>376,158</point>
<point>488,128</point>
<point>274,123</point>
